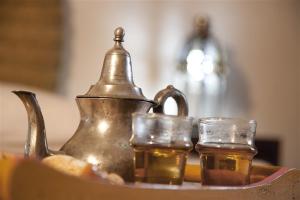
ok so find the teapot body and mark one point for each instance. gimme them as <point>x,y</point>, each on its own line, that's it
<point>102,137</point>
<point>103,133</point>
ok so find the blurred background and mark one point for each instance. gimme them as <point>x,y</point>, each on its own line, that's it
<point>248,53</point>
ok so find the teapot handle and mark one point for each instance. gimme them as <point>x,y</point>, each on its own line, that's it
<point>177,95</point>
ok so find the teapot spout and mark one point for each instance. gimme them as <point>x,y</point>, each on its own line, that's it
<point>36,142</point>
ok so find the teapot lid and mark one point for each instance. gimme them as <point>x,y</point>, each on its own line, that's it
<point>116,80</point>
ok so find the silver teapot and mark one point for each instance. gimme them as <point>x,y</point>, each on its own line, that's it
<point>102,137</point>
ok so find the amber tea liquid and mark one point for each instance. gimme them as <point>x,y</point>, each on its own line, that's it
<point>224,166</point>
<point>159,165</point>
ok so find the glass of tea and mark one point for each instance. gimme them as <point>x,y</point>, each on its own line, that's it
<point>226,148</point>
<point>161,144</point>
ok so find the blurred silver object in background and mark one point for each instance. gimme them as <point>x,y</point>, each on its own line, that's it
<point>201,72</point>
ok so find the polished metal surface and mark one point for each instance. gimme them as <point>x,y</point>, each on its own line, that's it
<point>102,137</point>
<point>36,144</point>
<point>116,78</point>
<point>162,96</point>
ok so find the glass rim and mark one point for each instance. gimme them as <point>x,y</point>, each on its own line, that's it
<point>162,116</point>
<point>224,120</point>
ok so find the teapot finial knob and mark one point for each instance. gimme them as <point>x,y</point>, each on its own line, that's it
<point>116,79</point>
<point>119,34</point>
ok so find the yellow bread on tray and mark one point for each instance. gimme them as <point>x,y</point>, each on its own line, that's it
<point>74,167</point>
<point>70,165</point>
<point>192,173</point>
<point>7,164</point>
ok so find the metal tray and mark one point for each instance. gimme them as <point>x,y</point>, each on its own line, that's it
<point>34,181</point>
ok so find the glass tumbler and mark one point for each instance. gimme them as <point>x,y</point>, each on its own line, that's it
<point>226,148</point>
<point>161,144</point>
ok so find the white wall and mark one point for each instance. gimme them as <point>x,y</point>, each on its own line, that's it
<point>260,35</point>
